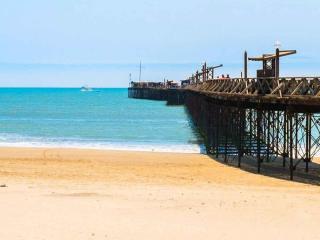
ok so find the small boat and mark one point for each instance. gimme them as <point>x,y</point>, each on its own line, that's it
<point>86,89</point>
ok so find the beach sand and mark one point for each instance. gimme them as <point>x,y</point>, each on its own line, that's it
<point>94,194</point>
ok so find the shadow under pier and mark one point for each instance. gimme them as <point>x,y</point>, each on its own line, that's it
<point>274,168</point>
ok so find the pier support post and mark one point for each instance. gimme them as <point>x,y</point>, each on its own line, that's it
<point>308,140</point>
<point>285,128</point>
<point>250,131</point>
<point>226,125</point>
<point>259,131</point>
<point>268,128</point>
<point>277,133</point>
<point>296,131</point>
<point>218,125</point>
<point>291,144</point>
<point>241,132</point>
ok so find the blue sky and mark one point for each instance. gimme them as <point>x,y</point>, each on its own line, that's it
<point>99,42</point>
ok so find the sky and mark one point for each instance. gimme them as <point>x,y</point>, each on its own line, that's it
<point>68,43</point>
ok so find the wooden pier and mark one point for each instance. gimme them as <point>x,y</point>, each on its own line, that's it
<point>267,118</point>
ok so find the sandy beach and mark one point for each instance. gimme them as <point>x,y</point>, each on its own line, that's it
<point>94,194</point>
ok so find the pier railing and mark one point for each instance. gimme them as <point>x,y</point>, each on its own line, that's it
<point>282,87</point>
<point>158,85</point>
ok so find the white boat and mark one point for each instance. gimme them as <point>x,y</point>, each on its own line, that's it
<point>86,89</point>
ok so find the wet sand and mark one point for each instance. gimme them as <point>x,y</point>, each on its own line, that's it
<point>92,194</point>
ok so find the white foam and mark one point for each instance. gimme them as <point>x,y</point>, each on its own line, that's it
<point>174,148</point>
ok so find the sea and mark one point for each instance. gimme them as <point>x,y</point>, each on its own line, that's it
<point>97,119</point>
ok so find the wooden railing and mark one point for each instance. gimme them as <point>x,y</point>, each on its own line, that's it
<point>284,87</point>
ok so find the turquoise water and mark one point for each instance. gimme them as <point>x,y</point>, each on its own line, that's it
<point>102,119</point>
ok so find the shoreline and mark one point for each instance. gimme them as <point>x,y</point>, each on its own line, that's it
<point>158,148</point>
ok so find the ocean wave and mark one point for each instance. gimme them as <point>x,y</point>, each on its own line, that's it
<point>15,140</point>
<point>114,120</point>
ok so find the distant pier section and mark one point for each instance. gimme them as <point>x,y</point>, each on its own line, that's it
<point>267,118</point>
<point>164,91</point>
